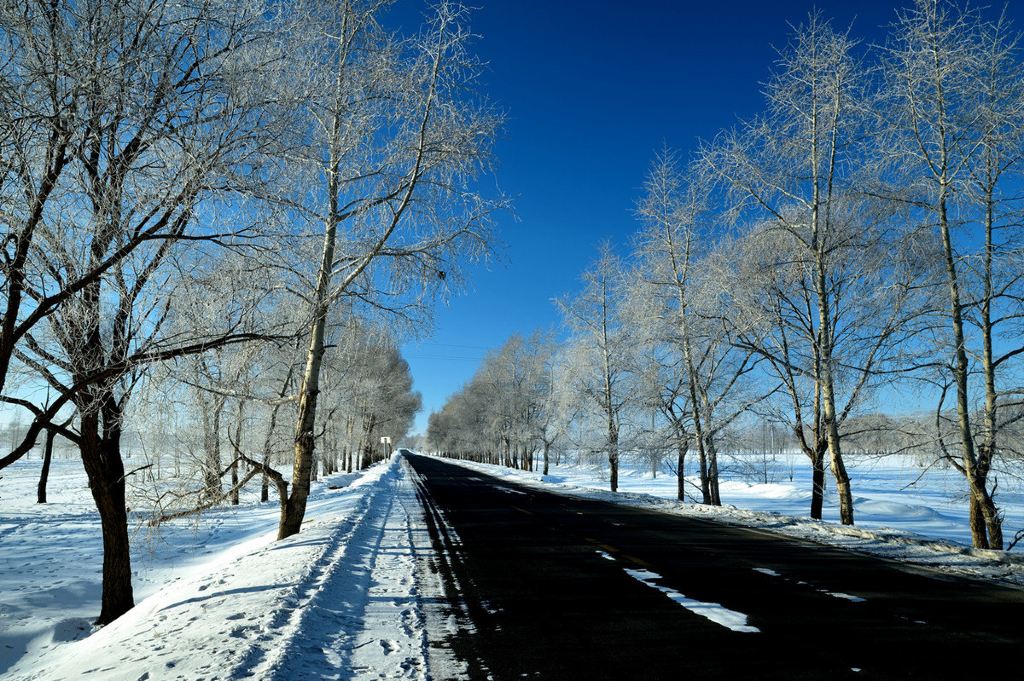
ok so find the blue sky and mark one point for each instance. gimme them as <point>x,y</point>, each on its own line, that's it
<point>591,90</point>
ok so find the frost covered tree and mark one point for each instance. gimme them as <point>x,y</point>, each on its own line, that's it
<point>552,404</point>
<point>372,387</point>
<point>125,123</point>
<point>878,285</point>
<point>953,111</point>
<point>462,427</point>
<point>793,168</point>
<point>599,353</point>
<point>389,142</point>
<point>702,378</point>
<point>666,251</point>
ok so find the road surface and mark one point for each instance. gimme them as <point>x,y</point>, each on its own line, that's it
<point>545,586</point>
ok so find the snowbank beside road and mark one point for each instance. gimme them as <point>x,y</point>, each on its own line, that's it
<point>340,596</point>
<point>892,494</point>
<point>895,544</point>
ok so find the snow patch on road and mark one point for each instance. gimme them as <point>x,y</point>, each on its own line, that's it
<point>845,597</point>
<point>509,490</point>
<point>833,594</point>
<point>730,619</point>
<point>767,571</point>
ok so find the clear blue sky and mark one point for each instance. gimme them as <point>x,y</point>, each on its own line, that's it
<point>592,90</point>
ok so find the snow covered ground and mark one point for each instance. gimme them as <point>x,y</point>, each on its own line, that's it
<point>219,599</point>
<point>902,511</point>
<point>349,597</point>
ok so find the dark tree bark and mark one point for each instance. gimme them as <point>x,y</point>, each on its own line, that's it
<point>613,455</point>
<point>103,465</point>
<point>715,495</point>
<point>681,448</point>
<point>211,416</point>
<point>45,473</point>
<point>234,464</point>
<point>817,483</point>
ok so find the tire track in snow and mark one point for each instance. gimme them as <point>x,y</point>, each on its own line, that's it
<point>269,650</point>
<point>392,642</point>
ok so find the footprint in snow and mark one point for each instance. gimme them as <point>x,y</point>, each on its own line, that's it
<point>389,647</point>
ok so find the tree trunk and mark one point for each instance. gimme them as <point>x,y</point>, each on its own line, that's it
<point>681,448</point>
<point>989,529</point>
<point>613,455</point>
<point>828,400</point>
<point>294,511</point>
<point>234,483</point>
<point>698,429</point>
<point>714,495</point>
<point>843,487</point>
<point>546,458</point>
<point>234,463</point>
<point>211,447</point>
<point>817,482</point>
<point>979,533</point>
<point>984,504</point>
<point>105,470</point>
<point>989,533</point>
<point>702,459</point>
<point>44,474</point>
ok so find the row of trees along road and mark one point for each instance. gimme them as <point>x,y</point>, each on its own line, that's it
<point>200,200</point>
<point>858,239</point>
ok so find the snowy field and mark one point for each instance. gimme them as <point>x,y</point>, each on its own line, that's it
<point>892,493</point>
<point>902,511</point>
<point>217,598</point>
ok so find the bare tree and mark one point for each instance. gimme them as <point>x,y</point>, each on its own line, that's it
<point>550,400</point>
<point>146,119</point>
<point>683,308</point>
<point>791,168</point>
<point>393,140</point>
<point>599,351</point>
<point>878,284</point>
<point>953,110</point>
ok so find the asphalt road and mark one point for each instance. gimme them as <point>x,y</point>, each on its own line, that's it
<point>538,583</point>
